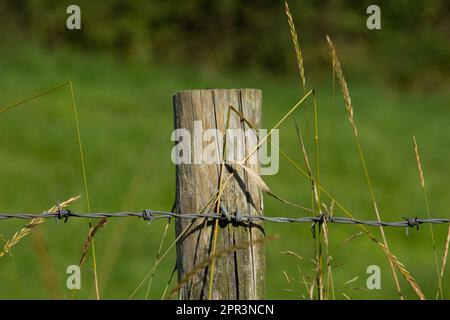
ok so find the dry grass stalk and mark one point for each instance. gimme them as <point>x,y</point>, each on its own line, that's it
<point>309,284</point>
<point>92,231</point>
<point>401,268</point>
<point>444,257</point>
<point>345,296</point>
<point>292,253</point>
<point>306,281</point>
<point>351,281</point>
<point>308,166</point>
<point>256,178</point>
<point>347,240</point>
<point>394,263</point>
<point>419,164</point>
<point>289,280</point>
<point>330,282</point>
<point>425,195</point>
<point>19,235</point>
<point>343,84</point>
<point>294,37</point>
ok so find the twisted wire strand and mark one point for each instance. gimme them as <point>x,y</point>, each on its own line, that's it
<point>149,215</point>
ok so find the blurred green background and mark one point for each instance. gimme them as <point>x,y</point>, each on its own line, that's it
<point>125,64</point>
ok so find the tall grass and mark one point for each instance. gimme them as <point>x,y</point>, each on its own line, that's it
<point>394,263</point>
<point>351,118</point>
<point>425,196</point>
<point>322,237</point>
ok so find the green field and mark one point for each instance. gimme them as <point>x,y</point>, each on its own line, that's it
<point>125,114</point>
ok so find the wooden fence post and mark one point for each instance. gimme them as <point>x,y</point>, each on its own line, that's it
<point>238,274</point>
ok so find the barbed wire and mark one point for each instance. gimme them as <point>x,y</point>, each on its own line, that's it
<point>150,215</point>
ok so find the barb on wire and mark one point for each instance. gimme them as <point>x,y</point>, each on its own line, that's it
<point>225,216</point>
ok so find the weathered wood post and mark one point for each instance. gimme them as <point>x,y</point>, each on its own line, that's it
<point>238,274</point>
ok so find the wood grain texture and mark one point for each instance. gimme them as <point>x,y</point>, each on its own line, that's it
<point>239,274</point>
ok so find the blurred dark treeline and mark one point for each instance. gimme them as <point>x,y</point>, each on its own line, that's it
<point>413,44</point>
